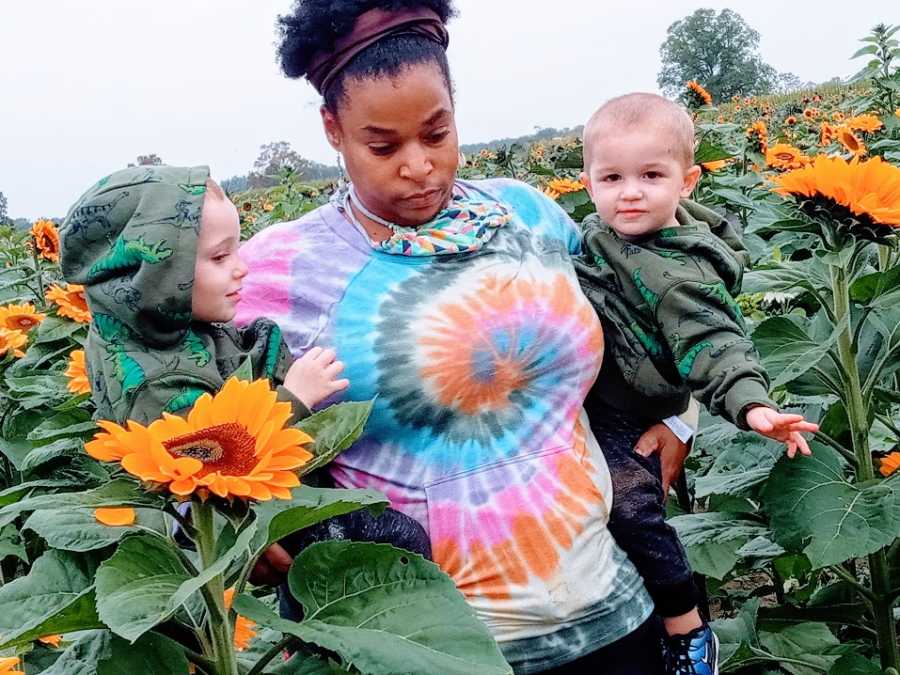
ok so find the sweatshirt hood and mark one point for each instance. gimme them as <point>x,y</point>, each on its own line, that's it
<point>131,241</point>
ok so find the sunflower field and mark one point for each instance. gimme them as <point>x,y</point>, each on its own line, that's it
<point>800,559</point>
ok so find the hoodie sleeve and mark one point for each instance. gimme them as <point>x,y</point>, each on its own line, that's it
<point>704,329</point>
<point>172,393</point>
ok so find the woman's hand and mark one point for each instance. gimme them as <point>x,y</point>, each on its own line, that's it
<point>781,427</point>
<point>272,567</point>
<point>312,377</point>
<point>672,452</point>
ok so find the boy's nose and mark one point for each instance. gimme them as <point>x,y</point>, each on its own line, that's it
<point>241,270</point>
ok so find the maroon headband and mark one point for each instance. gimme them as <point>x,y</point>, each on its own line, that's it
<point>370,27</point>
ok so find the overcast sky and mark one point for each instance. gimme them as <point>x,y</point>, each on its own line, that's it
<point>87,85</point>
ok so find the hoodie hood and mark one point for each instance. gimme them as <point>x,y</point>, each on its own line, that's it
<point>131,241</point>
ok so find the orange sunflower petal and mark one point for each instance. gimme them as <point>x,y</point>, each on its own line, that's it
<point>115,516</point>
<point>77,373</point>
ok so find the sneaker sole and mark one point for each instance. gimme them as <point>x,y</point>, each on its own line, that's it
<point>716,664</point>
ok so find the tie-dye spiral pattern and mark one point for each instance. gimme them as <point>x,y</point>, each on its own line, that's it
<point>480,363</point>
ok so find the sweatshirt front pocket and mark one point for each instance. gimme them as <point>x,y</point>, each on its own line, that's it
<point>515,535</point>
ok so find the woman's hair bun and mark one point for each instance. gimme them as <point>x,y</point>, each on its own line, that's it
<point>315,25</point>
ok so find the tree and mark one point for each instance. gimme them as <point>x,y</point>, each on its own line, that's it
<point>717,50</point>
<point>275,157</point>
<point>3,206</point>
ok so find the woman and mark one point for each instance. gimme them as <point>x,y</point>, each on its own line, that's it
<point>456,304</point>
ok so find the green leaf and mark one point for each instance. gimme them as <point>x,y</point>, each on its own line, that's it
<point>854,664</point>
<point>102,653</point>
<point>53,329</point>
<point>56,597</point>
<point>814,508</point>
<point>715,527</point>
<point>307,664</point>
<point>278,518</point>
<point>737,635</point>
<point>742,462</point>
<point>120,492</point>
<point>11,544</point>
<point>65,447</point>
<point>383,610</point>
<point>787,351</point>
<point>334,429</point>
<point>135,586</point>
<point>868,49</point>
<point>78,529</point>
<point>707,151</point>
<point>64,425</point>
<point>714,560</point>
<point>806,642</point>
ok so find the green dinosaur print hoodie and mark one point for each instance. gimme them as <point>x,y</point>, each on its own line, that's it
<point>672,326</point>
<point>131,240</point>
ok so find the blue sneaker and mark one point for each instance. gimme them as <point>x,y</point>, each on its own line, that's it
<point>696,653</point>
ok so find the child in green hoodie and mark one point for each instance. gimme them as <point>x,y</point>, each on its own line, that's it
<point>156,248</point>
<point>661,274</point>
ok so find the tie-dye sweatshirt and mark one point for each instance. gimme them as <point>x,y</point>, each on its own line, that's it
<point>480,363</point>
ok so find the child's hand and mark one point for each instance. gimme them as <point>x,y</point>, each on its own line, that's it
<point>311,378</point>
<point>781,427</point>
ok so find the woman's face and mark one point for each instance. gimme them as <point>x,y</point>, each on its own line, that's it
<point>398,139</point>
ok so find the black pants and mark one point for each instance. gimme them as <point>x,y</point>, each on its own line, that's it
<point>638,653</point>
<point>391,527</point>
<point>638,517</point>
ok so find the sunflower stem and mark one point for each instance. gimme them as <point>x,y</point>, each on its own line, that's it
<point>39,275</point>
<point>857,414</point>
<point>214,591</point>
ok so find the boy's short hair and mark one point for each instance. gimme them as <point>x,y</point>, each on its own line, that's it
<point>640,108</point>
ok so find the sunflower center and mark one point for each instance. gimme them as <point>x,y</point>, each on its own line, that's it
<point>226,448</point>
<point>25,321</point>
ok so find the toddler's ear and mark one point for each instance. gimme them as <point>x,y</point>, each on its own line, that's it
<point>691,176</point>
<point>586,181</point>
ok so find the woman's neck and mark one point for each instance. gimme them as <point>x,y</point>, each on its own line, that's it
<point>375,230</point>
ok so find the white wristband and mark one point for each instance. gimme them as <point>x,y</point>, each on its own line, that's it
<point>679,428</point>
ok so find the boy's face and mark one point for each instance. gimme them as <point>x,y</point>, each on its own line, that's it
<point>218,271</point>
<point>635,181</point>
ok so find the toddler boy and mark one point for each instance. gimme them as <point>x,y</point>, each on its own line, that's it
<point>156,248</point>
<point>661,275</point>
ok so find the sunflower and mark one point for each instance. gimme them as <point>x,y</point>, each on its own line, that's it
<point>837,116</point>
<point>889,464</point>
<point>233,444</point>
<point>827,133</point>
<point>897,112</point>
<point>759,135</point>
<point>697,94</point>
<point>46,238</point>
<point>784,156</point>
<point>10,341</point>
<point>810,113</point>
<point>864,194</point>
<point>850,141</point>
<point>77,373</point>
<point>8,665</point>
<point>790,120</point>
<point>561,186</point>
<point>20,317</point>
<point>716,165</point>
<point>243,627</point>
<point>71,302</point>
<point>868,123</point>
